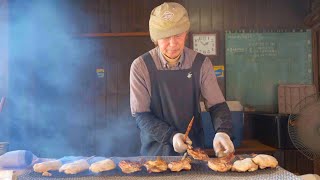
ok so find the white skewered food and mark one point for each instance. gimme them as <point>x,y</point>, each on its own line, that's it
<point>46,166</point>
<point>265,161</point>
<point>103,165</point>
<point>46,174</point>
<point>244,165</point>
<point>75,167</point>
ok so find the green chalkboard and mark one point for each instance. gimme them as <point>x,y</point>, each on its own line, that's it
<point>256,63</point>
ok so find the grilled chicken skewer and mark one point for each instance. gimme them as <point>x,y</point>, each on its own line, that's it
<point>129,166</point>
<point>183,164</point>
<point>195,153</point>
<point>158,165</point>
<point>221,164</point>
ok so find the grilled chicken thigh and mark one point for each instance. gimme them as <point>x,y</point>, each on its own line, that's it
<point>221,164</point>
<point>129,166</point>
<point>158,165</point>
<point>183,164</point>
<point>197,154</point>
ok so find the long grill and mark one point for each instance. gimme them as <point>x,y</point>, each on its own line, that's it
<point>199,170</point>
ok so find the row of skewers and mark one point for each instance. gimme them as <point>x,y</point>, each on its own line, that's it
<point>127,166</point>
<point>229,162</point>
<point>222,164</point>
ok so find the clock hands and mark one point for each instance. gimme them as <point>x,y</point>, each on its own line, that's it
<point>204,43</point>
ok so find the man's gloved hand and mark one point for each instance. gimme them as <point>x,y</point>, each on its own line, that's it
<point>178,145</point>
<point>222,144</point>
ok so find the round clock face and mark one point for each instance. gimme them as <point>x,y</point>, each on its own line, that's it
<point>205,43</point>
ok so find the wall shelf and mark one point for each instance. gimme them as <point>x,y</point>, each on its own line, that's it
<point>124,34</point>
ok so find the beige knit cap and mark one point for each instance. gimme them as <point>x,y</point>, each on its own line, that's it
<point>168,19</point>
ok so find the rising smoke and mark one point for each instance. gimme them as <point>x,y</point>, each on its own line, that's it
<point>51,107</point>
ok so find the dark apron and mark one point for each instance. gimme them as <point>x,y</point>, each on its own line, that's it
<point>175,96</point>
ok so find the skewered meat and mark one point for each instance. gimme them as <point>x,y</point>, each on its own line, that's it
<point>265,161</point>
<point>158,165</point>
<point>103,165</point>
<point>46,174</point>
<point>197,154</point>
<point>74,167</point>
<point>188,130</point>
<point>221,154</point>
<point>244,165</point>
<point>180,165</point>
<point>221,164</point>
<point>46,166</point>
<point>129,166</point>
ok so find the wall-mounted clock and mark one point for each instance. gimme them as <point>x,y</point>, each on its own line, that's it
<point>205,43</point>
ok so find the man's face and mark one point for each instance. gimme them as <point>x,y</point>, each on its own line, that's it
<point>172,46</point>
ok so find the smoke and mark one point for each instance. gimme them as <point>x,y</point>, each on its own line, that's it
<point>52,92</point>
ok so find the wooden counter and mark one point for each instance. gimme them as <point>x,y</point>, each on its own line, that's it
<point>249,147</point>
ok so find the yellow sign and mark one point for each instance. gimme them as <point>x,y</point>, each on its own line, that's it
<point>100,72</point>
<point>219,71</point>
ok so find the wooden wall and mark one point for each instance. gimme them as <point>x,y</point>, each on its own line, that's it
<point>95,118</point>
<point>205,15</point>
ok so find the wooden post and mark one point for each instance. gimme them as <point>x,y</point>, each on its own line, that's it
<point>316,57</point>
<point>316,166</point>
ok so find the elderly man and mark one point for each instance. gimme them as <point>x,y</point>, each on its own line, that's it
<point>166,84</point>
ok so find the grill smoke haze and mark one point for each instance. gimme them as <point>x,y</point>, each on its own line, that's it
<point>51,107</point>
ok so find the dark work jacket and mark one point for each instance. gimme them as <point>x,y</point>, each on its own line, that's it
<point>175,98</point>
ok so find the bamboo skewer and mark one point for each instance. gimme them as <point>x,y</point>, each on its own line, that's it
<point>188,130</point>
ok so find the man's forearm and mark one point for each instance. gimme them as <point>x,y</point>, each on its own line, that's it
<point>221,118</point>
<point>161,131</point>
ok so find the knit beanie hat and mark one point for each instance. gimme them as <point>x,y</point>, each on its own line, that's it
<point>167,20</point>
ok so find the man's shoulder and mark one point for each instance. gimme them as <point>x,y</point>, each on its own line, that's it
<point>152,52</point>
<point>189,51</point>
<point>191,55</point>
<point>139,61</point>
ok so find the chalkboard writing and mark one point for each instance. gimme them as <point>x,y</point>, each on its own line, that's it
<point>256,63</point>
